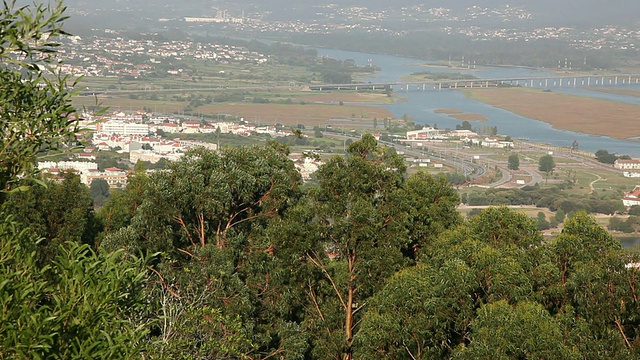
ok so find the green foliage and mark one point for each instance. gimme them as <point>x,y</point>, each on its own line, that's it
<point>514,162</point>
<point>634,210</point>
<point>541,221</point>
<point>464,126</point>
<point>363,223</point>
<point>550,197</point>
<point>207,196</point>
<point>59,213</point>
<point>523,331</point>
<point>603,156</point>
<point>36,115</point>
<point>546,164</point>
<point>456,178</point>
<point>202,332</point>
<point>82,305</point>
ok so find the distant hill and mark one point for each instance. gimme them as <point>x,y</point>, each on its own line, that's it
<point>547,12</point>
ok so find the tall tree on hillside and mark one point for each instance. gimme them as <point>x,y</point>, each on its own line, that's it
<point>427,310</point>
<point>217,279</point>
<point>363,223</point>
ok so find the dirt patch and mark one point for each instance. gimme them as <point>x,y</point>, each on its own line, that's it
<point>461,115</point>
<point>566,112</point>
<point>447,111</point>
<point>469,117</point>
<point>309,114</point>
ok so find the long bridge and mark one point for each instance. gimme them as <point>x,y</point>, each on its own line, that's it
<point>542,82</point>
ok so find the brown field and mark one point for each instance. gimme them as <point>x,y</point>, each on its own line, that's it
<point>627,92</point>
<point>309,114</point>
<point>566,112</point>
<point>447,111</point>
<point>122,104</point>
<point>469,117</point>
<point>336,97</point>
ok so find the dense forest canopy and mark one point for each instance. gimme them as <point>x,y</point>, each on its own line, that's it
<point>226,254</point>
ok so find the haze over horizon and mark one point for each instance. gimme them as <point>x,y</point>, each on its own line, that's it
<point>544,12</point>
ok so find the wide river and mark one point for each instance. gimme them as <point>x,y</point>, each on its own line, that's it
<point>421,105</point>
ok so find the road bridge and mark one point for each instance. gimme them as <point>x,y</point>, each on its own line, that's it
<point>542,82</point>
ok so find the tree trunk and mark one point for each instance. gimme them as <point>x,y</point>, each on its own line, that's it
<point>348,324</point>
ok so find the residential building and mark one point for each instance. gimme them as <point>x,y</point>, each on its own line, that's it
<point>628,164</point>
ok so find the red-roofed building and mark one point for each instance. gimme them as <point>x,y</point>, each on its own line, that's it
<point>632,198</point>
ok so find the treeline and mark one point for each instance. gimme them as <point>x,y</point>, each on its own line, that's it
<point>435,45</point>
<point>227,255</point>
<point>553,197</point>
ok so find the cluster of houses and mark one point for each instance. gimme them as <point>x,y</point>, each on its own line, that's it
<point>137,134</point>
<point>630,168</point>
<point>140,123</point>
<point>109,56</point>
<point>467,136</point>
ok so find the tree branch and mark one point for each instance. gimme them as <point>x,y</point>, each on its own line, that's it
<point>164,283</point>
<point>180,221</point>
<point>326,273</point>
<point>626,340</point>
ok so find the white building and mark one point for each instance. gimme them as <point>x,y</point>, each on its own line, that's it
<point>424,133</point>
<point>632,164</point>
<point>632,198</point>
<point>123,128</point>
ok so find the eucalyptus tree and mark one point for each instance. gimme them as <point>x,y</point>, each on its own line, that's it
<point>207,214</point>
<point>363,222</point>
<point>59,212</point>
<point>425,312</point>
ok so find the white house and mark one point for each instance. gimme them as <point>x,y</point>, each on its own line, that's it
<point>632,198</point>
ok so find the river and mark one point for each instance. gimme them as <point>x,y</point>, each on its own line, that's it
<point>421,105</point>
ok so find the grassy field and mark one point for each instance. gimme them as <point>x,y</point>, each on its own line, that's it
<point>566,112</point>
<point>350,116</point>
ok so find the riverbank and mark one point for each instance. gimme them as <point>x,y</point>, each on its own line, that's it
<point>565,112</point>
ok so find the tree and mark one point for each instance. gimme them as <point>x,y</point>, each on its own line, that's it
<point>59,213</point>
<point>514,162</point>
<point>99,190</point>
<point>36,115</point>
<point>363,223</point>
<point>546,165</point>
<point>208,215</point>
<point>81,305</point>
<point>427,310</point>
<point>522,331</point>
<point>375,122</point>
<point>541,221</point>
<point>464,126</point>
<point>603,156</point>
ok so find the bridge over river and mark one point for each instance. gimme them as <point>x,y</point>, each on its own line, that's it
<point>543,82</point>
